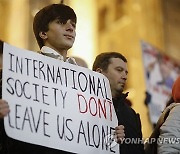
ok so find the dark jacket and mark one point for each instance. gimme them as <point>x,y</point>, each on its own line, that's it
<point>131,121</point>
<point>12,146</point>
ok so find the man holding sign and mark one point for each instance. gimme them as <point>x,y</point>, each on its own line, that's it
<point>114,66</point>
<point>54,28</point>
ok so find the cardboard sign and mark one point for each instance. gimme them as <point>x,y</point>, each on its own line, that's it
<point>57,104</point>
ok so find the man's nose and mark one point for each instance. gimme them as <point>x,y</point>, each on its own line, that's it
<point>69,26</point>
<point>124,76</point>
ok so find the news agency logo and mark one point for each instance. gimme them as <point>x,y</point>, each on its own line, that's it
<point>110,140</point>
<point>163,140</point>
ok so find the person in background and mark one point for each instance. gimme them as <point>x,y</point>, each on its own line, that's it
<point>4,108</point>
<point>114,66</point>
<point>81,62</point>
<point>169,137</point>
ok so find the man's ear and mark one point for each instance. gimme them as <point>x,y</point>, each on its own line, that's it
<point>43,35</point>
<point>99,70</point>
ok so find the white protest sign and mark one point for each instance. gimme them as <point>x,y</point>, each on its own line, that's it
<point>57,104</point>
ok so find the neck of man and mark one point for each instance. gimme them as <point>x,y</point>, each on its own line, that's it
<point>62,53</point>
<point>116,94</point>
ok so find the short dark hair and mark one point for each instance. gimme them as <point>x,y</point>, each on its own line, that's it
<point>103,60</point>
<point>49,14</point>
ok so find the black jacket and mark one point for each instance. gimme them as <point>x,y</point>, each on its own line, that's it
<point>12,146</point>
<point>131,121</point>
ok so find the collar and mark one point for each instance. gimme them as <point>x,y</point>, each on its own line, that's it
<point>119,100</point>
<point>49,50</point>
<point>121,97</point>
<point>54,54</point>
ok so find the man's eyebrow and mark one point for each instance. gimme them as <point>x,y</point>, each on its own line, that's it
<point>72,21</point>
<point>119,67</point>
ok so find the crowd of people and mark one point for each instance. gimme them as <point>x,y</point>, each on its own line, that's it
<point>55,31</point>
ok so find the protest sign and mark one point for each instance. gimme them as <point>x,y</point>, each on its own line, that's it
<point>160,73</point>
<point>57,104</point>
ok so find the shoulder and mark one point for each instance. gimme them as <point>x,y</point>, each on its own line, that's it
<point>173,119</point>
<point>170,129</point>
<point>135,115</point>
<point>174,113</point>
<point>131,109</point>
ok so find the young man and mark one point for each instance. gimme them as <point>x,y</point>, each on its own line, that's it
<point>54,28</point>
<point>114,66</point>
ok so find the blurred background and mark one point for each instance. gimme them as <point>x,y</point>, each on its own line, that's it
<point>105,25</point>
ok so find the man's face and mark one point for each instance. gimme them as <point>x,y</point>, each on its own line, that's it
<point>60,36</point>
<point>117,74</point>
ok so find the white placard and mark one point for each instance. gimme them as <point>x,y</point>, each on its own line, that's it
<point>57,104</point>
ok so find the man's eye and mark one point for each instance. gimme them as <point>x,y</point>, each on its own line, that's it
<point>74,25</point>
<point>119,70</point>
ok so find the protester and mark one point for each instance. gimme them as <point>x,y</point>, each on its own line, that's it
<point>114,66</point>
<point>167,128</point>
<point>151,142</point>
<point>169,138</point>
<point>4,108</point>
<point>54,28</point>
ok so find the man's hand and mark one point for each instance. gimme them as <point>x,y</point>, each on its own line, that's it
<point>4,108</point>
<point>119,131</point>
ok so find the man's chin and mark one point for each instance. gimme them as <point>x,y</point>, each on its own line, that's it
<point>68,46</point>
<point>120,88</point>
<point>119,91</point>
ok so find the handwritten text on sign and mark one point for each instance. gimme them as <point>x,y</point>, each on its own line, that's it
<point>56,104</point>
